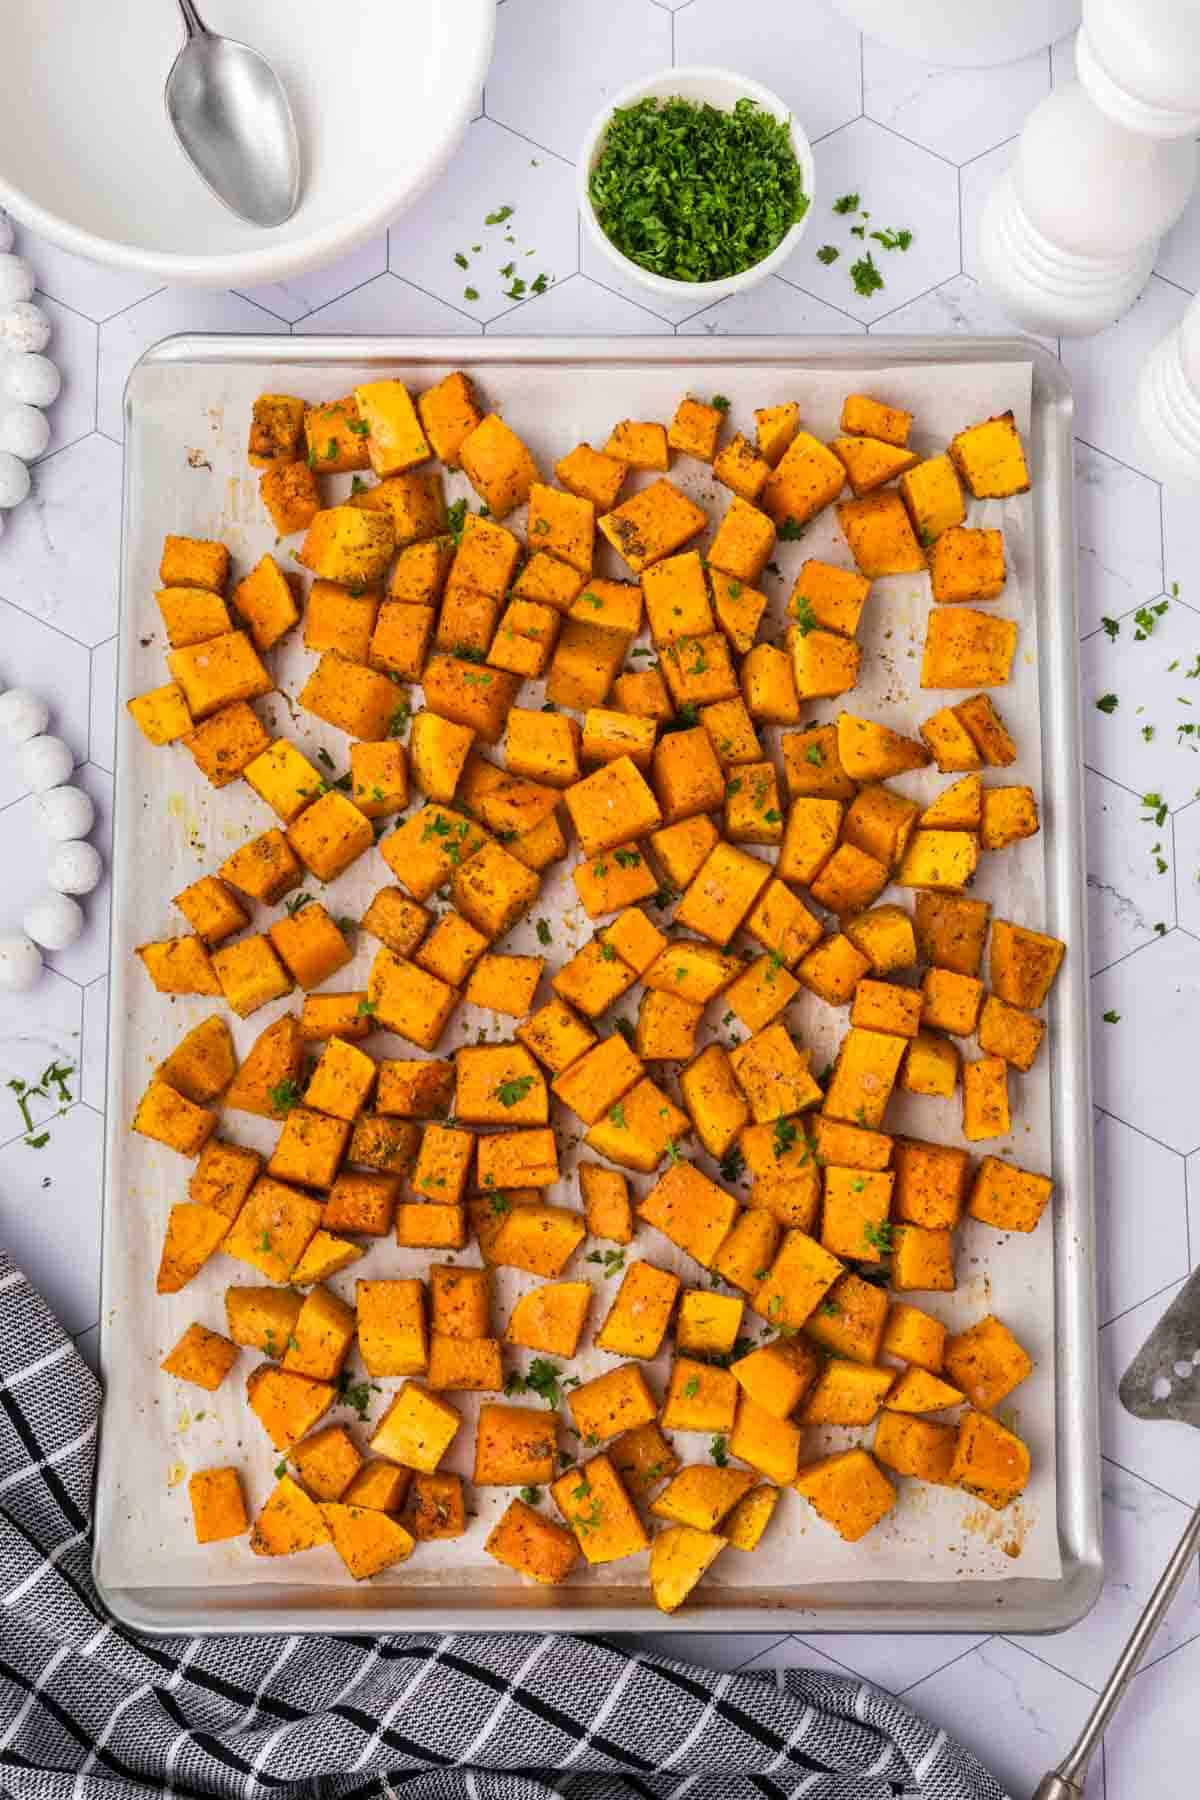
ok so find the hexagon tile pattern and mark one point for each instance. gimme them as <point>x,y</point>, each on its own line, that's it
<point>920,146</point>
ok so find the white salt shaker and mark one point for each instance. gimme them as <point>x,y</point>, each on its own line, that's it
<point>1104,167</point>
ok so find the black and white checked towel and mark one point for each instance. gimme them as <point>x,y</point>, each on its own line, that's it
<point>88,1711</point>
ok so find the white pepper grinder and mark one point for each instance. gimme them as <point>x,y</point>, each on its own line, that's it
<point>1167,407</point>
<point>1104,167</point>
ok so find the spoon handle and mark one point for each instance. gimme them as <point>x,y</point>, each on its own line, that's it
<point>191,18</point>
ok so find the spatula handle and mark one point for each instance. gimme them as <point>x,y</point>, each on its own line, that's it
<point>1067,1781</point>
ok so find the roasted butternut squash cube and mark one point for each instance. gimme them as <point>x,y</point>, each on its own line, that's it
<point>930,1066</point>
<point>768,1444</point>
<point>953,748</point>
<point>698,672</point>
<point>287,1406</point>
<point>563,524</point>
<point>266,601</point>
<point>191,614</point>
<point>880,536</point>
<point>309,1149</point>
<point>216,673</point>
<point>218,1505</point>
<point>643,1457</point>
<point>442,1164</point>
<point>986,1362</point>
<point>324,1257</point>
<point>864,1075</point>
<point>679,1556</point>
<point>744,539</point>
<point>774,1075</point>
<point>395,440</point>
<point>744,1526</point>
<point>854,1221</point>
<point>439,749</point>
<point>226,744</point>
<point>382,1486</point>
<point>606,1202</point>
<point>525,1159</point>
<point>695,429</point>
<point>797,1281</point>
<point>471,696</point>
<point>987,730</point>
<point>917,1391</point>
<point>868,417</point>
<point>289,1522</point>
<point>451,949</point>
<point>276,424</point>
<point>335,439</point>
<point>832,969</point>
<point>701,1494</point>
<point>688,778</point>
<point>638,1131</point>
<point>449,412</point>
<point>753,814</point>
<point>265,869</point>
<point>556,1035</point>
<point>193,1233</point>
<point>1009,814</point>
<point>422,1225</point>
<point>416,501</point>
<point>933,495</point>
<point>677,599</point>
<point>985,1108</point>
<point>991,459</point>
<point>223,1177</point>
<point>320,1339</point>
<point>965,648</point>
<point>364,1204</point>
<point>722,893</point>
<point>356,699</point>
<point>202,1064</point>
<point>884,1006</point>
<point>419,575</point>
<point>593,1501</point>
<point>849,881</point>
<point>957,808</point>
<point>777,1375</point>
<point>551,1318</point>
<point>912,1446</point>
<point>966,563</point>
<point>525,1540</point>
<point>290,494</point>
<point>435,1507</point>
<point>885,937</point>
<point>707,1323</point>
<point>850,1320</point>
<point>643,692</point>
<point>484,562</point>
<point>498,465</point>
<point>690,1210</point>
<point>846,1393</point>
<point>768,686</point>
<point>349,545</point>
<point>922,1258</point>
<point>161,714</point>
<point>396,921</point>
<point>284,779</point>
<point>614,880</point>
<point>465,1366</point>
<point>250,974</point>
<point>608,734</point>
<point>990,1462</point>
<point>850,1146</point>
<point>1007,1198</point>
<point>611,805</point>
<point>652,524</point>
<point>742,468</point>
<point>594,1083</point>
<point>400,640</point>
<point>943,860</point>
<point>367,1541</point>
<point>524,639</point>
<point>379,778</point>
<point>761,992</point>
<point>202,1358</point>
<point>615,605</point>
<point>1008,1032</point>
<point>594,978</point>
<point>812,767</point>
<point>931,1183</point>
<point>950,1001</point>
<point>592,474</point>
<point>699,1397</point>
<point>391,1333</point>
<point>409,1001</point>
<point>823,663</point>
<point>308,943</point>
<point>636,1322</point>
<point>612,1403</point>
<point>774,429</point>
<point>870,461</point>
<point>914,1336</point>
<point>342,1080</point>
<point>639,444</point>
<point>515,1446</point>
<point>804,480</point>
<point>417,1429</point>
<point>194,563</point>
<point>537,1238</point>
<point>268,1081</point>
<point>1023,963</point>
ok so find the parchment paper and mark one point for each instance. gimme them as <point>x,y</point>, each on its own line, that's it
<point>187,473</point>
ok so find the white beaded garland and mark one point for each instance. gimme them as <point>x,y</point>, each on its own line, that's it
<point>22,715</point>
<point>16,279</point>
<point>32,379</point>
<point>28,380</point>
<point>75,868</point>
<point>24,431</point>
<point>14,480</point>
<point>54,922</point>
<point>66,812</point>
<point>45,762</point>
<point>24,327</point>
<point>20,963</point>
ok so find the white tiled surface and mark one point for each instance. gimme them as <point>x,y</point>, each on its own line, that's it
<point>921,146</point>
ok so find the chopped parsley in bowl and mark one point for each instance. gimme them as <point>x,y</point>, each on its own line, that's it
<point>696,182</point>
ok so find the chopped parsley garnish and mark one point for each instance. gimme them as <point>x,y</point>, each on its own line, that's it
<point>611,1261</point>
<point>456,512</point>
<point>879,1237</point>
<point>544,935</point>
<point>510,1093</point>
<point>732,1164</point>
<point>617,1116</point>
<point>627,859</point>
<point>1112,626</point>
<point>1107,703</point>
<point>691,1387</point>
<point>499,216</point>
<point>865,276</point>
<point>693,192</point>
<point>1146,618</point>
<point>785,1135</point>
<point>802,612</point>
<point>718,1452</point>
<point>284,1095</point>
<point>847,203</point>
<point>531,1495</point>
<point>366,1009</point>
<point>893,240</point>
<point>721,402</point>
<point>828,253</point>
<point>790,531</point>
<point>607,953</point>
<point>545,1379</point>
<point>1157,813</point>
<point>1111,1018</point>
<point>815,755</point>
<point>398,722</point>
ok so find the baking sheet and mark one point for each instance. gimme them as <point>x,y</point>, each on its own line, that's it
<point>186,472</point>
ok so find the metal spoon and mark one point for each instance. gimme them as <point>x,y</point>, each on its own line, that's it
<point>233,121</point>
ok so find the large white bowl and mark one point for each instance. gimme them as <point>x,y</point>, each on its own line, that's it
<point>722,88</point>
<point>381,91</point>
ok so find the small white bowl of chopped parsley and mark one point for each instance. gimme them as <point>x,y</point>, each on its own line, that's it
<point>696,182</point>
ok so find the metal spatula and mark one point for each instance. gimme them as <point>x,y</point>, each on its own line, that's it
<point>1162,1382</point>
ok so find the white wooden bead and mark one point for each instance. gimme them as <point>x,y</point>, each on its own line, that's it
<point>33,379</point>
<point>7,234</point>
<point>24,431</point>
<point>54,921</point>
<point>16,279</point>
<point>66,812</point>
<point>24,326</point>
<point>45,762</point>
<point>22,715</point>
<point>75,868</point>
<point>14,476</point>
<point>20,963</point>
